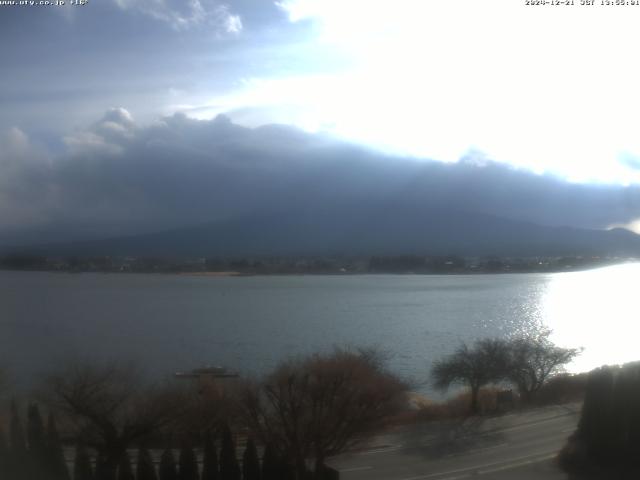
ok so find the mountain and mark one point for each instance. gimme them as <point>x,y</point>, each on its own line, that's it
<point>278,190</point>
<point>388,229</point>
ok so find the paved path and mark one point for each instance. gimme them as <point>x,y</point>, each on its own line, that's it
<point>516,446</point>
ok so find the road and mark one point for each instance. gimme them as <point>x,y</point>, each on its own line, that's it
<point>515,446</point>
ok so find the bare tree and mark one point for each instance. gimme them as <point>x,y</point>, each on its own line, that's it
<point>485,362</point>
<point>111,407</point>
<point>533,360</point>
<point>318,406</point>
<point>207,410</point>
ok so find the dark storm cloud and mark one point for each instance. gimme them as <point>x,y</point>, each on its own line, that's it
<point>117,177</point>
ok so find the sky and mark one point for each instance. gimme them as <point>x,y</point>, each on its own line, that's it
<point>90,93</point>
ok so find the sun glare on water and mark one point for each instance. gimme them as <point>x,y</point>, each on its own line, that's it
<point>598,311</point>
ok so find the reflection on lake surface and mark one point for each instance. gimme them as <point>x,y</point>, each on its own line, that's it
<point>173,322</point>
<point>596,310</point>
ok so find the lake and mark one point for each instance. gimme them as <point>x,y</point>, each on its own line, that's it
<point>168,323</point>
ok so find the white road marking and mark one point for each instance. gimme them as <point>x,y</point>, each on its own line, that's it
<point>527,425</point>
<point>486,468</point>
<point>355,469</point>
<point>395,448</point>
<point>476,450</point>
<point>559,435</point>
<point>458,477</point>
<point>515,465</point>
<point>392,448</point>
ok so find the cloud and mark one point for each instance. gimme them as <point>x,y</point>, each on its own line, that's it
<point>443,79</point>
<point>630,161</point>
<point>118,177</point>
<point>106,136</point>
<point>83,142</point>
<point>232,23</point>
<point>185,14</point>
<point>15,142</point>
<point>24,180</point>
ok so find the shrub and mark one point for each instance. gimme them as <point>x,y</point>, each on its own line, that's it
<point>608,434</point>
<point>333,400</point>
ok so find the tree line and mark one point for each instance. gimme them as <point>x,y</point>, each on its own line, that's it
<point>306,410</point>
<point>39,455</point>
<point>524,362</point>
<point>606,443</point>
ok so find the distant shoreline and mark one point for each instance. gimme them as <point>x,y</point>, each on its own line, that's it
<point>328,265</point>
<point>231,273</point>
<point>212,274</point>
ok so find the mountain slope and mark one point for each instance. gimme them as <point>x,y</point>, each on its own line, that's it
<point>374,230</point>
